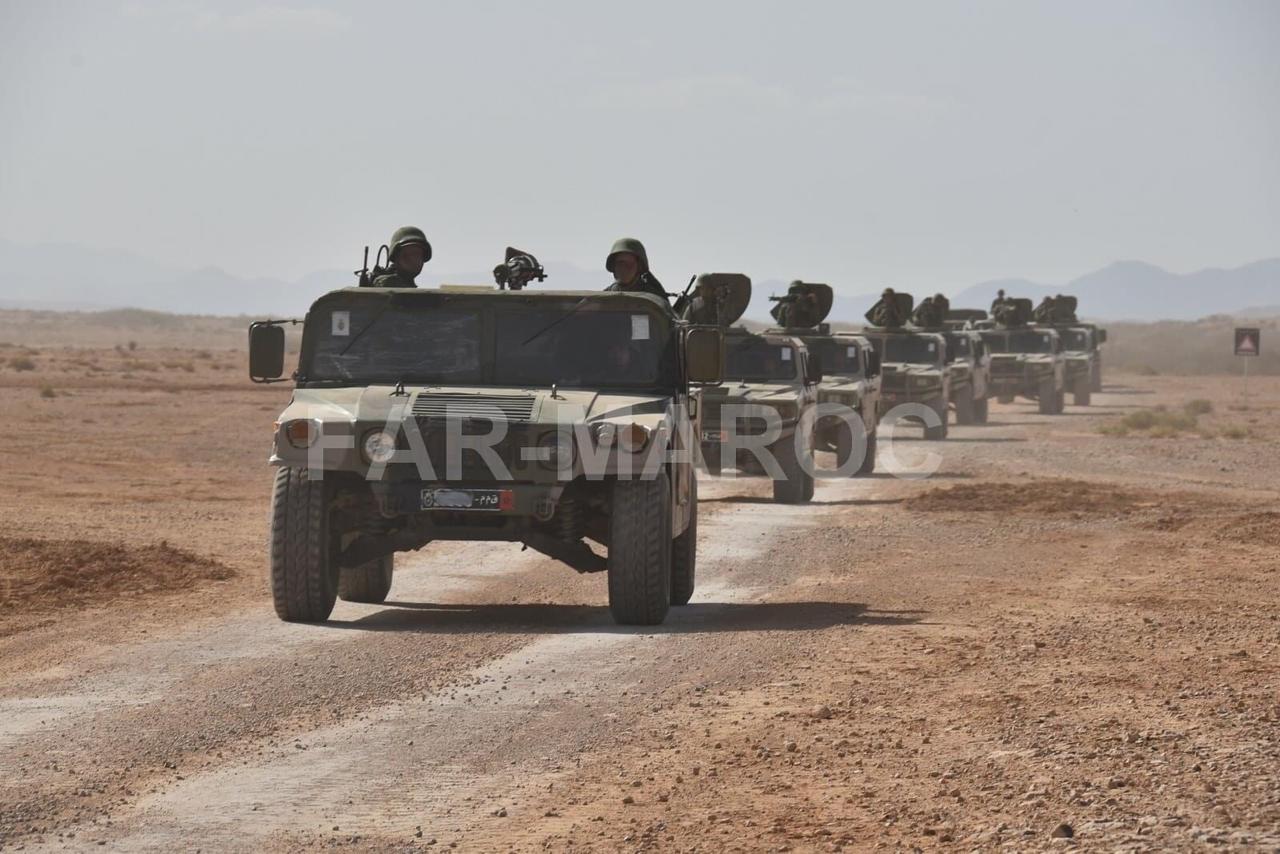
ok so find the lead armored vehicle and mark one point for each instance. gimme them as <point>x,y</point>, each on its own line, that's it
<point>850,374</point>
<point>913,361</point>
<point>1025,360</point>
<point>544,418</point>
<point>764,410</point>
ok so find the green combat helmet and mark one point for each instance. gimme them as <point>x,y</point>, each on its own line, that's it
<point>631,245</point>
<point>405,235</point>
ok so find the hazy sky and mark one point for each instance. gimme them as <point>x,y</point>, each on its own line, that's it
<point>911,144</point>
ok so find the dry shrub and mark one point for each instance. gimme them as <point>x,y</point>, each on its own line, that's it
<point>1051,495</point>
<point>22,363</point>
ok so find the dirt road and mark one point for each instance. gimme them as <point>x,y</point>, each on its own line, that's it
<point>1061,634</point>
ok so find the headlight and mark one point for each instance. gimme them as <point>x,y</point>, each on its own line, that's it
<point>555,450</point>
<point>301,432</point>
<point>379,446</point>
<point>633,437</point>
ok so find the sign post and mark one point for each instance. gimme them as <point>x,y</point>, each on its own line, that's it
<point>1249,345</point>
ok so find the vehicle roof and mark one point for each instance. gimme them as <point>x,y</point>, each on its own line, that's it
<point>488,295</point>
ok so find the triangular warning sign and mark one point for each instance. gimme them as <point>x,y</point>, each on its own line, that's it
<point>1247,344</point>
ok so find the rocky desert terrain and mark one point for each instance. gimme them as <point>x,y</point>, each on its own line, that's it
<point>1068,637</point>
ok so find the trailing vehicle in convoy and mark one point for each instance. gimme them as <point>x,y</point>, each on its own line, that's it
<point>480,414</point>
<point>913,363</point>
<point>1025,360</point>
<point>764,375</point>
<point>850,375</point>
<point>1080,344</point>
<point>969,367</point>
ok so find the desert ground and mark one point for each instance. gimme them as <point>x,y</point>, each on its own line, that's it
<point>1068,637</point>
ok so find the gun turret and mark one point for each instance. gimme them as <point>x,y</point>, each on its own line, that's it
<point>517,270</point>
<point>1012,311</point>
<point>719,299</point>
<point>805,305</point>
<point>892,310</point>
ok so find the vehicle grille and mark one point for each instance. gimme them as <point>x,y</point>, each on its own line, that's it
<point>482,406</point>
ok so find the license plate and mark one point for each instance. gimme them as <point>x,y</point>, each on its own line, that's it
<point>467,499</point>
<point>713,435</point>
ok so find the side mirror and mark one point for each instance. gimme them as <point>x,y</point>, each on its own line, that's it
<point>266,351</point>
<point>873,363</point>
<point>704,355</point>
<point>813,369</point>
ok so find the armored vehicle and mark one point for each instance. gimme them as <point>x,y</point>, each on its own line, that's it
<point>1025,360</point>
<point>766,403</point>
<point>550,419</point>
<point>968,363</point>
<point>850,374</point>
<point>1080,344</point>
<point>913,363</point>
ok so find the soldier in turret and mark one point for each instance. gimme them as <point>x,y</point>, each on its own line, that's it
<point>629,264</point>
<point>998,301</point>
<point>408,251</point>
<point>885,312</point>
<point>1046,311</point>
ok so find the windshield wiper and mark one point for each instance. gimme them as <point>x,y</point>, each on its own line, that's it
<point>354,338</point>
<point>553,324</point>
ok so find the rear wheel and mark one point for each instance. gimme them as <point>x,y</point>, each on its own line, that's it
<point>640,551</point>
<point>796,484</point>
<point>981,409</point>
<point>964,407</point>
<point>939,432</point>
<point>304,569</point>
<point>1046,396</point>
<point>1082,393</point>
<point>369,582</point>
<point>1095,376</point>
<point>684,553</point>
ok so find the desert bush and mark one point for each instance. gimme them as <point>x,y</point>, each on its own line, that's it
<point>48,392</point>
<point>1235,431</point>
<point>1159,422</point>
<point>1199,406</point>
<point>22,363</point>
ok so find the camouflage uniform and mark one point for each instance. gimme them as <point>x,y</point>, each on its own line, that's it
<point>394,277</point>
<point>885,312</point>
<point>645,282</point>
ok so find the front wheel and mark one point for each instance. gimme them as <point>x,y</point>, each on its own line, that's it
<point>369,582</point>
<point>639,565</point>
<point>796,484</point>
<point>1046,396</point>
<point>304,568</point>
<point>964,407</point>
<point>1081,396</point>
<point>684,552</point>
<point>981,410</point>
<point>939,432</point>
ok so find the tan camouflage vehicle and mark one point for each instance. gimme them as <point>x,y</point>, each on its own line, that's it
<point>1080,344</point>
<point>1025,360</point>
<point>969,364</point>
<point>770,391</point>
<point>850,374</point>
<point>913,361</point>
<point>552,419</point>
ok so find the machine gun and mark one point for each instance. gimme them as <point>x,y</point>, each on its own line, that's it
<point>517,270</point>
<point>805,305</point>
<point>364,276</point>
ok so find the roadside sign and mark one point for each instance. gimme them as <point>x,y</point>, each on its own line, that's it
<point>1248,340</point>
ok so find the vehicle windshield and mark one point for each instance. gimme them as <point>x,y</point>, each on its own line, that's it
<point>1075,339</point>
<point>756,359</point>
<point>835,357</point>
<point>568,343</point>
<point>1021,341</point>
<point>906,349</point>
<point>959,346</point>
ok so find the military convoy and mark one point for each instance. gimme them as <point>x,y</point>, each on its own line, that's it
<point>850,370</point>
<point>559,419</point>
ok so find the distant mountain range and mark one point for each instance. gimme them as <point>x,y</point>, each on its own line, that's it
<point>73,277</point>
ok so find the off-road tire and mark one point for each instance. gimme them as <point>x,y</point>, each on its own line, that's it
<point>964,407</point>
<point>369,582</point>
<point>1081,395</point>
<point>869,458</point>
<point>1005,398</point>
<point>640,551</point>
<point>304,569</point>
<point>1046,396</point>
<point>1060,401</point>
<point>981,410</point>
<point>939,432</point>
<point>714,460</point>
<point>1095,377</point>
<point>684,552</point>
<point>796,485</point>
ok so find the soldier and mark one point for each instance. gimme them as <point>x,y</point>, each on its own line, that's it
<point>998,301</point>
<point>942,304</point>
<point>1046,311</point>
<point>629,264</point>
<point>885,312</point>
<point>408,251</point>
